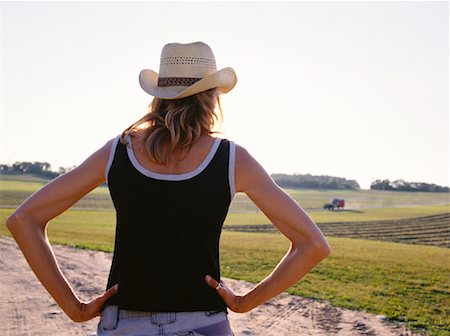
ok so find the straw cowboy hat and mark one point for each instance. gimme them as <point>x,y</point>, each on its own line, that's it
<point>186,69</point>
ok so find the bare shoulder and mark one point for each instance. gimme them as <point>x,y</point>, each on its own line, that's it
<point>105,150</point>
<point>96,163</point>
<point>102,154</point>
<point>249,174</point>
<point>243,157</point>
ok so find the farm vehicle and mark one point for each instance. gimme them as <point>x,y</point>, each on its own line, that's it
<point>336,203</point>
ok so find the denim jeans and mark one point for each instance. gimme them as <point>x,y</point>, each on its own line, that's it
<point>115,322</point>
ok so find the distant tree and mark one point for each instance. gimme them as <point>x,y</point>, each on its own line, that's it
<point>39,167</point>
<point>381,185</point>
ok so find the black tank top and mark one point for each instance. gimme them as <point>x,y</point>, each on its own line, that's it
<point>167,230</point>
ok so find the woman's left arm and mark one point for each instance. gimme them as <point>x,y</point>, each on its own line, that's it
<point>28,223</point>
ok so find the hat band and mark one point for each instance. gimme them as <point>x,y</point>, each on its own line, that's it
<point>177,81</point>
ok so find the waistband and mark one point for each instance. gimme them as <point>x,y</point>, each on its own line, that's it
<point>123,313</point>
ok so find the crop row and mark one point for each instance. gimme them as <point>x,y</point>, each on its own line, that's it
<point>427,230</point>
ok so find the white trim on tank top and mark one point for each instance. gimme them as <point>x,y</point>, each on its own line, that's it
<point>231,165</point>
<point>111,157</point>
<point>172,177</point>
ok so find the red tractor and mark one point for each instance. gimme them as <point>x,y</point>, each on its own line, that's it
<point>335,204</point>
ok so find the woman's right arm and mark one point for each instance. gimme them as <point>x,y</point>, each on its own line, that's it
<point>308,245</point>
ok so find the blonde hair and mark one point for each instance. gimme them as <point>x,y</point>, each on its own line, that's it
<point>172,125</point>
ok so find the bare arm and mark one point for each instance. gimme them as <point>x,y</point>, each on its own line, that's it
<point>308,245</point>
<point>28,226</point>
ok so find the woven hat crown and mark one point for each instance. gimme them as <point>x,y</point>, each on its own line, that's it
<point>193,60</point>
<point>184,70</point>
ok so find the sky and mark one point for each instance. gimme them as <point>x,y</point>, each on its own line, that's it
<point>351,89</point>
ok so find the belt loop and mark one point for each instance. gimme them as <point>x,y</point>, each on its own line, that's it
<point>110,317</point>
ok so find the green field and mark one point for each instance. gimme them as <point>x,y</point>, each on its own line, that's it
<point>16,188</point>
<point>13,192</point>
<point>408,283</point>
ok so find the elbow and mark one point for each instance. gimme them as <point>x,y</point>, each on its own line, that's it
<point>320,252</point>
<point>317,249</point>
<point>320,246</point>
<point>16,221</point>
<point>323,249</point>
<point>12,222</point>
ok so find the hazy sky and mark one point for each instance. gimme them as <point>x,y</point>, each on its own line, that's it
<point>352,89</point>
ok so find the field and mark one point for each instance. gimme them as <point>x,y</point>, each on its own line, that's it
<point>406,282</point>
<point>14,190</point>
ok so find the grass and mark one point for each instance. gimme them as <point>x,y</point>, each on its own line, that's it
<point>23,186</point>
<point>85,229</point>
<point>22,177</point>
<point>405,282</point>
<point>14,192</point>
<point>32,186</point>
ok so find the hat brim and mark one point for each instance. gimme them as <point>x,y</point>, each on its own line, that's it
<point>224,79</point>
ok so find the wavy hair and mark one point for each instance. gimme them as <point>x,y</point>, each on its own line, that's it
<point>172,125</point>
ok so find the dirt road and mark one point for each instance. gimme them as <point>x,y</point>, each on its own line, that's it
<point>27,309</point>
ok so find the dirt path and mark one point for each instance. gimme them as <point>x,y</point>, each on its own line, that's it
<point>27,309</point>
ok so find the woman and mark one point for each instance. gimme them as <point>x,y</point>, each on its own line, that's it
<point>171,183</point>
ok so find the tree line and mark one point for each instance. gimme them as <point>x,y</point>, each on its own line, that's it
<point>306,181</point>
<point>332,182</point>
<point>402,185</point>
<point>40,169</point>
<point>314,181</point>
